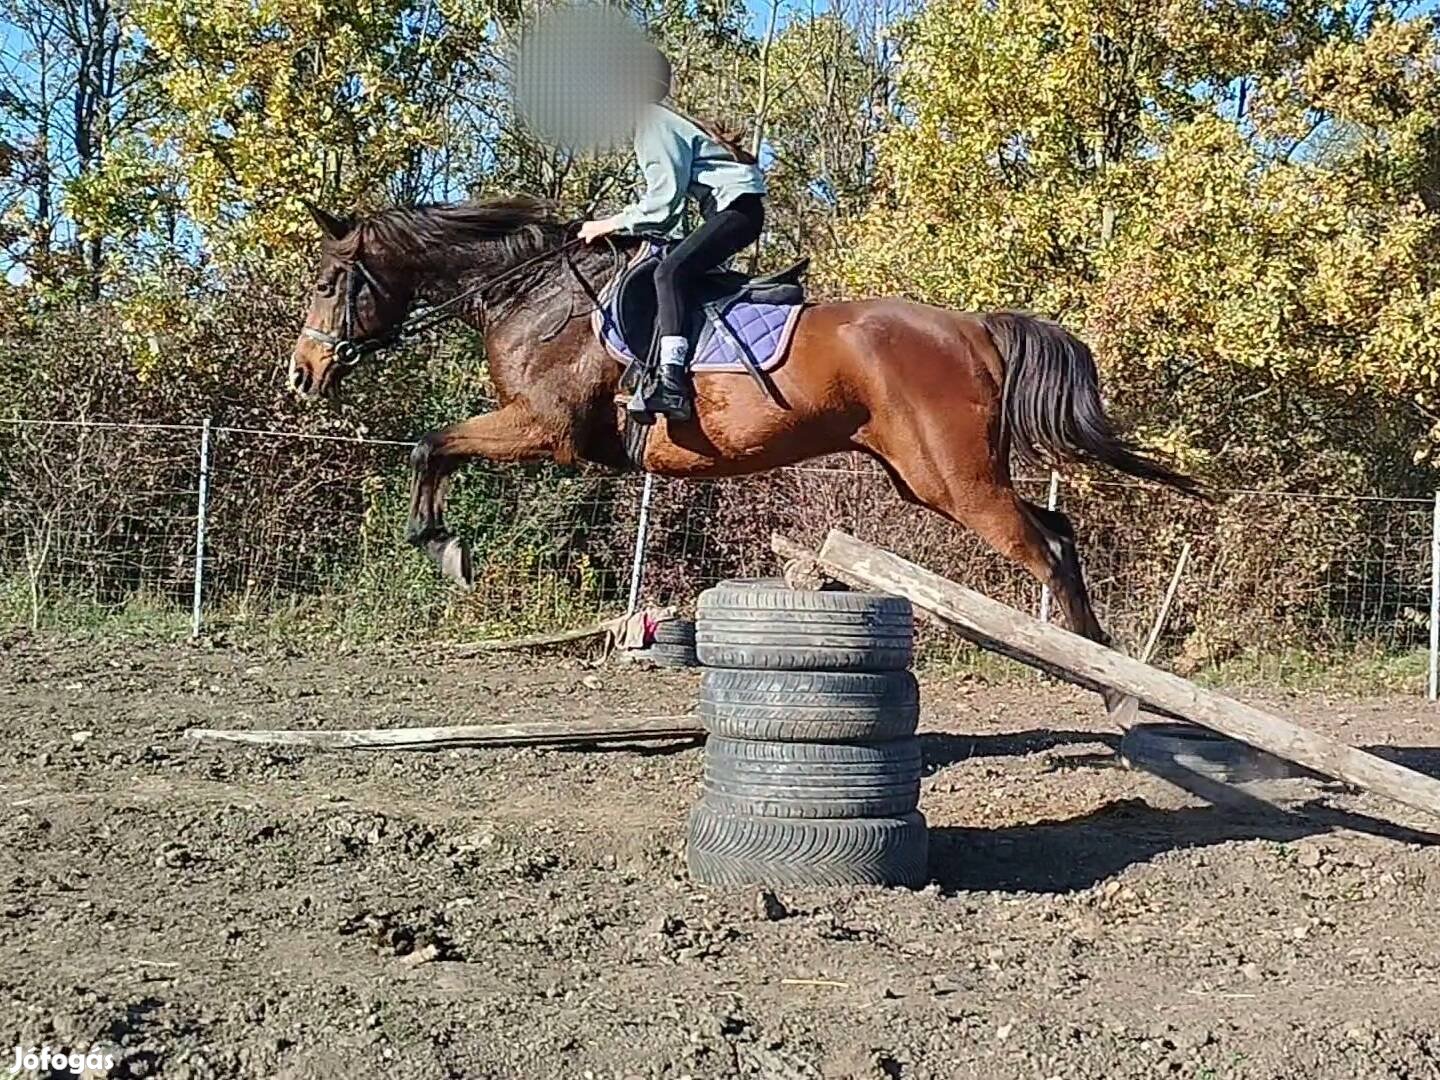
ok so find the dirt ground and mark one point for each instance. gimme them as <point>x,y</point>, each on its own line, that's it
<point>234,912</point>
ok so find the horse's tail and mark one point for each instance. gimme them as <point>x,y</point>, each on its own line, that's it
<point>1050,406</point>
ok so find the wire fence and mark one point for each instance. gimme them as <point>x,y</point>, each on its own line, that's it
<point>1269,579</point>
<point>103,522</point>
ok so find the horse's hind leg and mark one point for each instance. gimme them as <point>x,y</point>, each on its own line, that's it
<point>1040,540</point>
<point>1043,542</point>
<point>1068,586</point>
<point>1066,579</point>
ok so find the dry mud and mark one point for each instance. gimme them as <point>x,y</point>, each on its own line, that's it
<point>235,912</point>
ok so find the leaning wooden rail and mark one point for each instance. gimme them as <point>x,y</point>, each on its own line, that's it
<point>997,626</point>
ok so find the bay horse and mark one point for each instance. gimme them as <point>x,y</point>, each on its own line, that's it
<point>940,398</point>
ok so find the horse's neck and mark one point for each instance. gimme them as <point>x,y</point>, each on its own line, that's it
<point>444,278</point>
<point>538,331</point>
<point>527,285</point>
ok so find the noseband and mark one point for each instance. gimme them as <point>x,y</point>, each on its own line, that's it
<point>349,349</point>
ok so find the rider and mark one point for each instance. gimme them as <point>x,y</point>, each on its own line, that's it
<point>679,156</point>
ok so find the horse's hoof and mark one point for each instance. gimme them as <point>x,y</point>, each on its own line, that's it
<point>453,557</point>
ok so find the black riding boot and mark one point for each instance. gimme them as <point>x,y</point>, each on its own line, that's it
<point>672,394</point>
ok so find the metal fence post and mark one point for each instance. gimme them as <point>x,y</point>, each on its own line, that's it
<point>202,505</point>
<point>1433,689</point>
<point>642,534</point>
<point>1050,504</point>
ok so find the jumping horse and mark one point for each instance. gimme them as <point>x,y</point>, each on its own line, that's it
<point>940,398</point>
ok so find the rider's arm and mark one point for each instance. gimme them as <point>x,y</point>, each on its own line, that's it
<point>665,154</point>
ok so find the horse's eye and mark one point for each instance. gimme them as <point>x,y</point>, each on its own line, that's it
<point>325,288</point>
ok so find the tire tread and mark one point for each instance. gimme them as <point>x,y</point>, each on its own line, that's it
<point>740,849</point>
<point>813,780</point>
<point>765,625</point>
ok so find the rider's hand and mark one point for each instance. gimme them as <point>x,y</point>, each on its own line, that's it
<point>594,230</point>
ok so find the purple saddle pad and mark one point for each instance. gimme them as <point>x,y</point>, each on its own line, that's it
<point>761,330</point>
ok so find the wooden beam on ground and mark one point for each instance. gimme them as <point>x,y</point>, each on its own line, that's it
<point>534,641</point>
<point>983,621</point>
<point>542,733</point>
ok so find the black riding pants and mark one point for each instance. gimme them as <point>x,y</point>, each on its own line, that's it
<point>725,233</point>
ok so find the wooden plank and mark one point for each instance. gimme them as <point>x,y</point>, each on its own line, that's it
<point>981,619</point>
<point>542,733</point>
<point>789,550</point>
<point>535,641</point>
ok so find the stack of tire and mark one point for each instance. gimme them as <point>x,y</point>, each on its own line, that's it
<point>812,768</point>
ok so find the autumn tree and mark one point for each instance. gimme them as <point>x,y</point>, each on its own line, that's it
<point>272,102</point>
<point>1233,200</point>
<point>831,98</point>
<point>69,108</point>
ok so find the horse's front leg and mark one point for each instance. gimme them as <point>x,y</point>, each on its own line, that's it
<point>513,433</point>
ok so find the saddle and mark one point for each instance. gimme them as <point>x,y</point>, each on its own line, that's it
<point>733,305</point>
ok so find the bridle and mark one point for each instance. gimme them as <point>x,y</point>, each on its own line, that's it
<point>348,348</point>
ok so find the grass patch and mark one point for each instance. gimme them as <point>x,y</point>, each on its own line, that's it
<point>1362,670</point>
<point>394,594</point>
<point>141,615</point>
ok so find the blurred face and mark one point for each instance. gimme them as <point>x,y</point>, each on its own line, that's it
<point>349,304</point>
<point>582,75</point>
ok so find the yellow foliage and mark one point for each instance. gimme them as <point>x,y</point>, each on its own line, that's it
<point>273,101</point>
<point>1091,160</point>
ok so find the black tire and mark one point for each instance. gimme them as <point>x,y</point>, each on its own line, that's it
<point>674,644</point>
<point>762,624</point>
<point>813,780</point>
<point>809,706</point>
<point>675,632</point>
<point>742,849</point>
<point>1175,748</point>
<point>674,656</point>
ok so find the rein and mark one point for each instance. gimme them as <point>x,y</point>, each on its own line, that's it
<point>349,350</point>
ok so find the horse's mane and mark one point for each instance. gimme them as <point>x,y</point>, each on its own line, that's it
<point>525,227</point>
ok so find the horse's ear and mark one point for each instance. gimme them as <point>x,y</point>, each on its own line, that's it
<point>336,228</point>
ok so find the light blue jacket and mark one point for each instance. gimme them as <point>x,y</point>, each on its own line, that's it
<point>677,159</point>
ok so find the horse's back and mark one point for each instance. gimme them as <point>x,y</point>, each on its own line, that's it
<point>891,338</point>
<point>849,364</point>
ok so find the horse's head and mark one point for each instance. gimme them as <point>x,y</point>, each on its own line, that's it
<point>372,270</point>
<point>357,302</point>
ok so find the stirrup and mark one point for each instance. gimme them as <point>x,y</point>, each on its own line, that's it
<point>639,410</point>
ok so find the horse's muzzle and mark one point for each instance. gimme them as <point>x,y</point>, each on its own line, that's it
<point>303,381</point>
